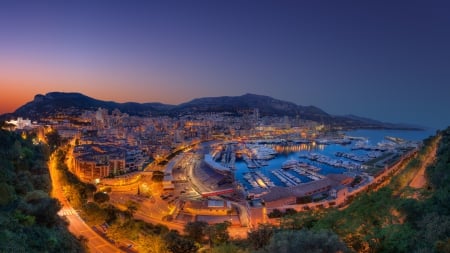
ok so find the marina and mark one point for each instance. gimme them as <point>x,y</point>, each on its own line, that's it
<point>309,171</point>
<point>285,177</point>
<point>354,157</point>
<point>266,179</point>
<point>253,163</point>
<point>258,180</point>
<point>263,164</point>
<point>332,162</point>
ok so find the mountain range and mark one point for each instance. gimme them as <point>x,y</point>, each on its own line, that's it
<point>73,103</point>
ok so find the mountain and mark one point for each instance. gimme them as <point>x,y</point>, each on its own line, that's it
<point>266,106</point>
<point>373,122</point>
<point>54,102</point>
<point>74,103</point>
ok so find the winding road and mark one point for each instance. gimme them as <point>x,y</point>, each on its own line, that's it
<point>96,243</point>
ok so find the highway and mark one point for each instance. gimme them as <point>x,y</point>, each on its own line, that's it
<point>77,226</point>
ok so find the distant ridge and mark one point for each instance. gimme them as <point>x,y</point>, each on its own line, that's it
<point>393,125</point>
<point>265,104</point>
<point>74,103</point>
<point>54,102</point>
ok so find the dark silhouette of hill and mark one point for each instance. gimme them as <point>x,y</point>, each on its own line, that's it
<point>57,101</point>
<point>266,106</point>
<point>73,103</point>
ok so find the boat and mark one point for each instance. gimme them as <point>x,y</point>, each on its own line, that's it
<point>289,164</point>
<point>286,178</point>
<point>260,152</point>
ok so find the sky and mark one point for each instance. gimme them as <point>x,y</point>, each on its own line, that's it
<point>386,60</point>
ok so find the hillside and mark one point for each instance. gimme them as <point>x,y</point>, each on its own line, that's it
<point>266,106</point>
<point>28,216</point>
<point>74,103</point>
<point>54,102</point>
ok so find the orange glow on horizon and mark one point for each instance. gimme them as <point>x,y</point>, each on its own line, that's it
<point>13,95</point>
<point>16,92</point>
<point>23,77</point>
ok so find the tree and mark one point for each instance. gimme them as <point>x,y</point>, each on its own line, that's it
<point>434,227</point>
<point>114,232</point>
<point>28,217</point>
<point>227,248</point>
<point>7,193</point>
<point>101,197</point>
<point>293,241</point>
<point>301,220</point>
<point>73,196</point>
<point>290,211</point>
<point>260,237</point>
<point>90,189</point>
<point>152,244</point>
<point>53,139</point>
<point>132,207</point>
<point>443,245</point>
<point>218,233</point>
<point>44,209</point>
<point>276,213</point>
<point>196,230</point>
<point>94,213</point>
<point>393,238</point>
<point>179,244</point>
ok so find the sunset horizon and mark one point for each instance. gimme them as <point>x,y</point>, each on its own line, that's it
<point>387,63</point>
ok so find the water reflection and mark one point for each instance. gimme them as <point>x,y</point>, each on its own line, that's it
<point>287,149</point>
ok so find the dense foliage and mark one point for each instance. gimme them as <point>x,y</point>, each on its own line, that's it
<point>28,216</point>
<point>398,218</point>
<point>286,241</point>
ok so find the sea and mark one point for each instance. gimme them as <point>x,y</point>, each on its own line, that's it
<point>371,137</point>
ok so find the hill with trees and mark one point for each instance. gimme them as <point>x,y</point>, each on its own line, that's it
<point>28,215</point>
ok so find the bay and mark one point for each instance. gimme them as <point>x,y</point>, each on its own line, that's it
<point>372,137</point>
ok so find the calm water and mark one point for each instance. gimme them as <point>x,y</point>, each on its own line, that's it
<point>373,137</point>
<point>376,136</point>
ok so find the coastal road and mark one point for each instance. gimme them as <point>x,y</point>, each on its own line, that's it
<point>77,226</point>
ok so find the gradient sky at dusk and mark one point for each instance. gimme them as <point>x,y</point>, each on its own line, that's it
<point>387,60</point>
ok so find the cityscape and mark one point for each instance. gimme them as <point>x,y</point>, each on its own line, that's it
<point>239,168</point>
<point>224,127</point>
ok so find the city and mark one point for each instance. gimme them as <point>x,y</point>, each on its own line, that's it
<point>254,126</point>
<point>182,170</point>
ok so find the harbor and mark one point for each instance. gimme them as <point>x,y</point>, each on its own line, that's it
<point>349,165</point>
<point>263,164</point>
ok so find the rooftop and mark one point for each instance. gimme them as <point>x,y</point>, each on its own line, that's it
<point>301,190</point>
